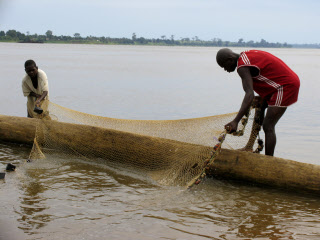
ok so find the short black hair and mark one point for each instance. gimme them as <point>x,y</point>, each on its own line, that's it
<point>29,63</point>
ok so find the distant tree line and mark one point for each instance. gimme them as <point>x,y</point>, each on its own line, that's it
<point>48,37</point>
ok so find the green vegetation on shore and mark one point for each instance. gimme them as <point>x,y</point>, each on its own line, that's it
<point>48,37</point>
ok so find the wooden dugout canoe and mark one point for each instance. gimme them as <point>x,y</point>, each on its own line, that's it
<point>230,164</point>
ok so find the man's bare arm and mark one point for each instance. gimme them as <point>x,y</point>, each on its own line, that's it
<point>33,94</point>
<point>247,84</point>
<point>44,94</point>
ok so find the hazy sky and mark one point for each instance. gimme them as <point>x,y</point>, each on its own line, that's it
<point>291,21</point>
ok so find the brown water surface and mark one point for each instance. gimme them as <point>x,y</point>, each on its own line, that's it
<point>65,198</point>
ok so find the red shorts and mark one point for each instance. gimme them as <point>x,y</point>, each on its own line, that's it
<point>284,96</point>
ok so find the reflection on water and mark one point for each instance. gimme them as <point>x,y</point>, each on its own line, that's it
<point>63,198</point>
<point>72,198</point>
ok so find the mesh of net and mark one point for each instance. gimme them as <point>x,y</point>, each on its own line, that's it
<point>172,152</point>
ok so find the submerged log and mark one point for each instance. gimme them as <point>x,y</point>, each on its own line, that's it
<point>230,164</point>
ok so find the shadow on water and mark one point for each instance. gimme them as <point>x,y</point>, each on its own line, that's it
<point>68,198</point>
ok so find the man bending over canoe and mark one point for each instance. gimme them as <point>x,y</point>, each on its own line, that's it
<point>35,87</point>
<point>276,84</point>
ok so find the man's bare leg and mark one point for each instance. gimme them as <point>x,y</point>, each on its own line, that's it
<point>272,117</point>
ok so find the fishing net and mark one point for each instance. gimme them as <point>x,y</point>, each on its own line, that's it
<point>172,152</point>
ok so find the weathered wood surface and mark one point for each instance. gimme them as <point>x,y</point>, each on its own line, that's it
<point>230,164</point>
<point>17,129</point>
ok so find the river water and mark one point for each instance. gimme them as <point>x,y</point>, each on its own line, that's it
<point>77,199</point>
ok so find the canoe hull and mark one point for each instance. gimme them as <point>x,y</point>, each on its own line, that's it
<point>230,164</point>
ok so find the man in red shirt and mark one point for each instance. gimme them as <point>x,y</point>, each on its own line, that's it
<point>268,76</point>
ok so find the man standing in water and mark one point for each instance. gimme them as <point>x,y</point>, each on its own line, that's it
<point>267,75</point>
<point>34,86</point>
